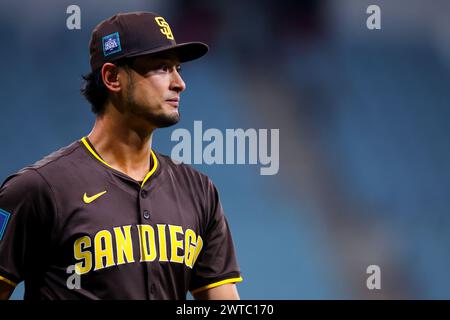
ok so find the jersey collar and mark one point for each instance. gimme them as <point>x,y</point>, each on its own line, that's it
<point>91,149</point>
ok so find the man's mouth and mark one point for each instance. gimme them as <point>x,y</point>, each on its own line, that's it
<point>173,101</point>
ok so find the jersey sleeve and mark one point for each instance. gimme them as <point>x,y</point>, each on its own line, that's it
<point>26,215</point>
<point>217,263</point>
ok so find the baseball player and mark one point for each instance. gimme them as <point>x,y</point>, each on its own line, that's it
<point>130,222</point>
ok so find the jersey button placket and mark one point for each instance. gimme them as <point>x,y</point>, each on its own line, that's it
<point>144,213</point>
<point>153,289</point>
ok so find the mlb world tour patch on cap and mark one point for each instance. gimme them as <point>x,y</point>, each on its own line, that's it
<point>4,217</point>
<point>111,44</point>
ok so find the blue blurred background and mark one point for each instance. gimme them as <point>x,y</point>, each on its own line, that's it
<point>363,116</point>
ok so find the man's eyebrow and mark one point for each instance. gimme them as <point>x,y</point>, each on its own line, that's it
<point>156,62</point>
<point>171,61</point>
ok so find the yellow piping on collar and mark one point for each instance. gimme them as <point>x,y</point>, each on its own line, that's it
<point>148,175</point>
<point>86,144</point>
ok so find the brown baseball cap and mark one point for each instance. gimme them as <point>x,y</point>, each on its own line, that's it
<point>137,33</point>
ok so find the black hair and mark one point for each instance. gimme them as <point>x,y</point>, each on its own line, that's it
<point>95,91</point>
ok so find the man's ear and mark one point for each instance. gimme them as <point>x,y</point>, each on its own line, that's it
<point>110,77</point>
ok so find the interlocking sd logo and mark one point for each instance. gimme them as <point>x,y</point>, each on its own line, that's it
<point>165,28</point>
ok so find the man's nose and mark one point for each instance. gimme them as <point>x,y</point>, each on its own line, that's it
<point>177,84</point>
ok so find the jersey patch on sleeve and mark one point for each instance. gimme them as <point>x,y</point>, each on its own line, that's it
<point>4,217</point>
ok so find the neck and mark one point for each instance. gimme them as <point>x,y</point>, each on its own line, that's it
<point>124,147</point>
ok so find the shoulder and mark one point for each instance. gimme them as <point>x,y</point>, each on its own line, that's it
<point>27,193</point>
<point>66,156</point>
<point>23,181</point>
<point>35,176</point>
<point>196,185</point>
<point>185,174</point>
<point>175,167</point>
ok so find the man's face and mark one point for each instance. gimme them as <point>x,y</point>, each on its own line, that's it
<point>153,89</point>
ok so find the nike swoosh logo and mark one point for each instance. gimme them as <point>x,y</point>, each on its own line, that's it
<point>87,199</point>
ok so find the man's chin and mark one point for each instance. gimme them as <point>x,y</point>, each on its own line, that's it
<point>165,121</point>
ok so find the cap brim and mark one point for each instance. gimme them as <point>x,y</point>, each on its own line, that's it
<point>184,51</point>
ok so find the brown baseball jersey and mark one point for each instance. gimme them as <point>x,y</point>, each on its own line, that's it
<point>154,239</point>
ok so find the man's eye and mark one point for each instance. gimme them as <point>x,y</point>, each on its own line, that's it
<point>164,68</point>
<point>168,68</point>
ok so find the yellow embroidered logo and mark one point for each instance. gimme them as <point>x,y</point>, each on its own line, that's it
<point>165,28</point>
<point>87,199</point>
